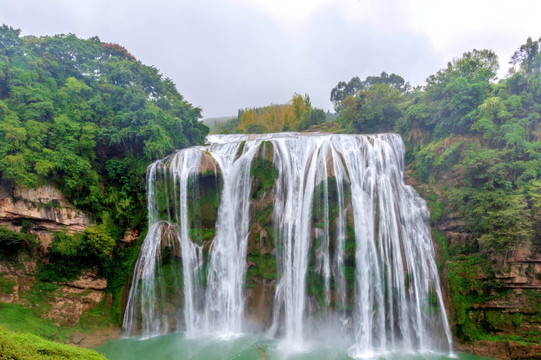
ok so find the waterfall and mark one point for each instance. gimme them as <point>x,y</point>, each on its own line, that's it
<point>349,240</point>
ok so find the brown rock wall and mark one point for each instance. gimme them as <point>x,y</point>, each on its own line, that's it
<point>503,350</point>
<point>67,302</point>
<point>45,206</point>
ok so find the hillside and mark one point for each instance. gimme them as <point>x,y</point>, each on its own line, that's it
<point>80,120</point>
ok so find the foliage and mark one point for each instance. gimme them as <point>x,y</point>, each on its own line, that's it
<point>11,243</point>
<point>64,260</point>
<point>343,90</point>
<point>30,347</point>
<point>454,93</point>
<point>376,109</point>
<point>533,196</point>
<point>528,57</point>
<point>296,115</point>
<point>69,254</point>
<point>6,285</point>
<point>79,113</point>
<point>88,118</point>
<point>97,241</point>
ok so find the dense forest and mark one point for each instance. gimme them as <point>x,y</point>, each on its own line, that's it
<point>88,118</point>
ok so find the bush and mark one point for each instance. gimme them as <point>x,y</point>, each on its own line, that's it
<point>69,254</point>
<point>98,242</point>
<point>6,285</point>
<point>65,245</point>
<point>12,242</point>
<point>65,262</point>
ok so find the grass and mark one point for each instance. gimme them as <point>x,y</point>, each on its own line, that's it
<point>6,285</point>
<point>15,317</point>
<point>23,346</point>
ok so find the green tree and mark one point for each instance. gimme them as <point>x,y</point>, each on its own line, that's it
<point>342,90</point>
<point>376,109</point>
<point>455,93</point>
<point>528,57</point>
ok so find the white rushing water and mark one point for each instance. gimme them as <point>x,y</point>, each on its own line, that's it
<point>395,296</point>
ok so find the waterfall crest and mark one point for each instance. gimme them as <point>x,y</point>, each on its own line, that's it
<point>323,221</point>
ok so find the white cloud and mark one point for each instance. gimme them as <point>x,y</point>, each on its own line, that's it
<point>288,13</point>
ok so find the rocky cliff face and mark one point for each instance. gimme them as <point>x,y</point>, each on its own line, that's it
<point>494,301</point>
<point>502,298</point>
<point>44,211</point>
<point>67,301</point>
<point>45,207</point>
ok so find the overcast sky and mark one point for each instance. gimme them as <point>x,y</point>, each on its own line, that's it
<point>229,54</point>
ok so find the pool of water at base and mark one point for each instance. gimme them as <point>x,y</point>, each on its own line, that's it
<point>248,347</point>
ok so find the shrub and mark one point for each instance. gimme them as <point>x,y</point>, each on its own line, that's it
<point>98,241</point>
<point>69,254</point>
<point>12,242</point>
<point>65,262</point>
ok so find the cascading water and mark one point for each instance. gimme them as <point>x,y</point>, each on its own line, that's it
<point>350,241</point>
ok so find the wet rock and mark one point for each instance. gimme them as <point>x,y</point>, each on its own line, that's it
<point>524,351</point>
<point>258,241</point>
<point>503,350</point>
<point>259,303</point>
<point>208,164</point>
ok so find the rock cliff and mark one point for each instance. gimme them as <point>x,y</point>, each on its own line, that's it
<point>502,299</point>
<point>45,208</point>
<point>42,212</point>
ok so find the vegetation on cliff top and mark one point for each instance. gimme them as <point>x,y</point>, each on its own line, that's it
<point>88,117</point>
<point>477,139</point>
<point>297,115</point>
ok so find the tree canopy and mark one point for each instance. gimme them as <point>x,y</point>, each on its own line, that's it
<point>88,117</point>
<point>298,114</point>
<point>351,88</point>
